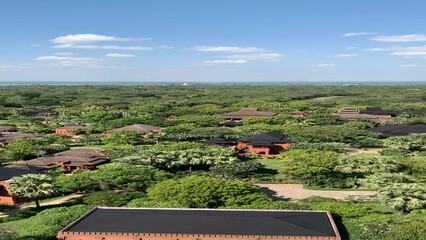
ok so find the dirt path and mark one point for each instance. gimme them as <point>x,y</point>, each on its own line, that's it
<point>353,151</point>
<point>27,207</point>
<point>296,191</point>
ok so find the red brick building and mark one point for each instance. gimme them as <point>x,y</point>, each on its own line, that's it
<point>297,114</point>
<point>268,143</point>
<point>200,224</point>
<point>6,174</point>
<point>72,130</point>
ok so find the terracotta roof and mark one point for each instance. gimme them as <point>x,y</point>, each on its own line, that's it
<point>231,223</point>
<point>143,128</point>
<point>400,129</point>
<point>248,112</point>
<point>72,158</point>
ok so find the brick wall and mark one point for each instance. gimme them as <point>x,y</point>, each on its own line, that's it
<point>158,236</point>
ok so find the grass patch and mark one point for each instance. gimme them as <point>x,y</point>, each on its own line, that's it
<point>270,171</point>
<point>10,226</point>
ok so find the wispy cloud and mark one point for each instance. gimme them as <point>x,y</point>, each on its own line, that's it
<point>94,46</point>
<point>227,49</point>
<point>35,45</point>
<point>341,55</point>
<point>94,41</point>
<point>92,38</point>
<point>68,61</point>
<point>227,61</point>
<point>257,57</point>
<point>401,38</point>
<point>326,65</point>
<point>355,34</point>
<point>118,55</point>
<point>407,52</point>
<point>409,65</point>
<point>12,66</point>
<point>376,49</point>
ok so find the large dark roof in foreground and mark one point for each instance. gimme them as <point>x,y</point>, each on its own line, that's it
<point>400,129</point>
<point>199,221</point>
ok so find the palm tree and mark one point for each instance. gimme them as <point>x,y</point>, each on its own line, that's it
<point>404,197</point>
<point>33,186</point>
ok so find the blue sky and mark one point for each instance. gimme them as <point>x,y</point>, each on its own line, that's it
<point>213,41</point>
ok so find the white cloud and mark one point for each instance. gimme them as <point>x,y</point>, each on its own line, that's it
<point>409,54</point>
<point>257,57</point>
<point>409,65</point>
<point>376,49</point>
<point>406,52</point>
<point>118,55</point>
<point>11,66</point>
<point>341,56</point>
<point>94,46</point>
<point>228,49</point>
<point>92,38</point>
<point>326,65</point>
<point>214,62</point>
<point>355,34</point>
<point>401,38</point>
<point>68,61</point>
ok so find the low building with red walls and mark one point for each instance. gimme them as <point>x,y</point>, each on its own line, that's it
<point>6,196</point>
<point>200,224</point>
<point>268,143</point>
<point>72,130</point>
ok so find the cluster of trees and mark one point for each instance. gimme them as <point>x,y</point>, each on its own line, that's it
<point>23,149</point>
<point>168,171</point>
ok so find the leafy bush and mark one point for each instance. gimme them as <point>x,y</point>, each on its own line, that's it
<point>206,192</point>
<point>46,224</point>
<point>110,198</point>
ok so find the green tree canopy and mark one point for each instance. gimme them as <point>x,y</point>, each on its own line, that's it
<point>33,186</point>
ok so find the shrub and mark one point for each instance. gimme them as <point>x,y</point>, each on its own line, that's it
<point>46,224</point>
<point>109,198</point>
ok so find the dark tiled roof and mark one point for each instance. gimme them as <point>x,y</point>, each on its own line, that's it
<point>378,111</point>
<point>400,129</point>
<point>266,139</point>
<point>71,158</point>
<point>9,137</point>
<point>143,128</point>
<point>8,173</point>
<point>206,221</point>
